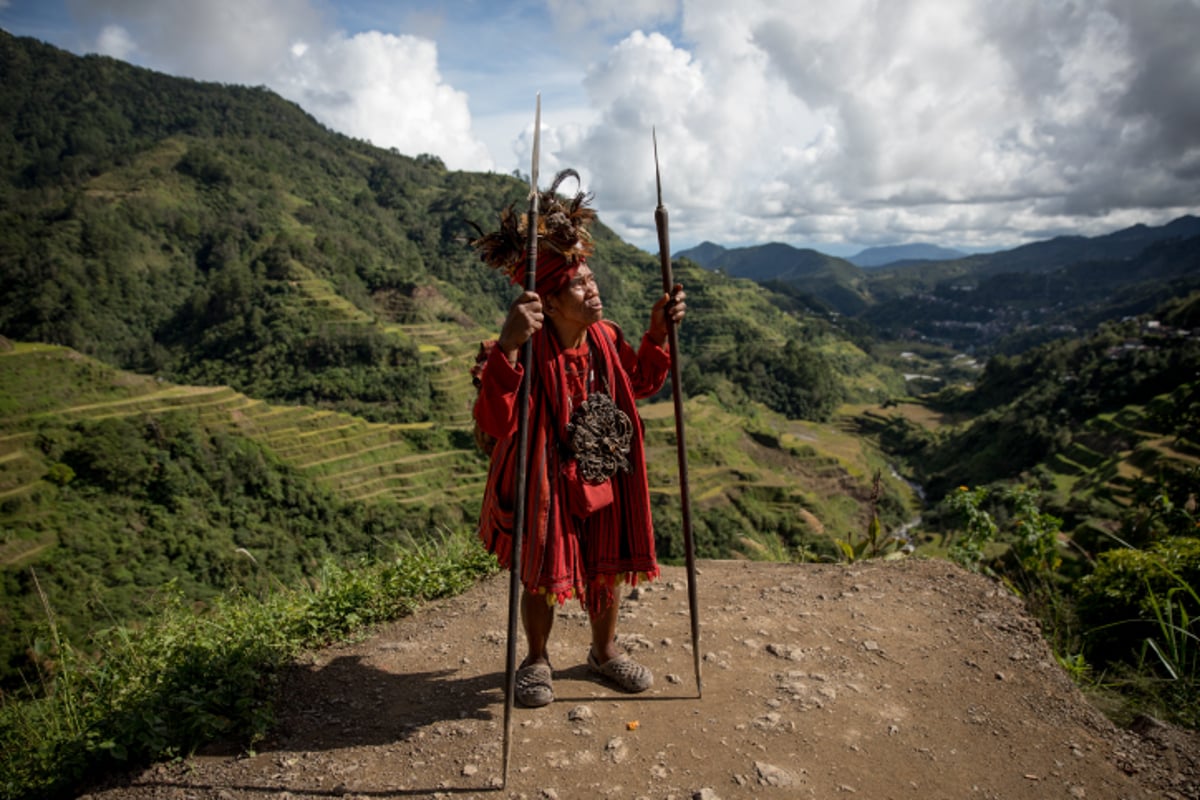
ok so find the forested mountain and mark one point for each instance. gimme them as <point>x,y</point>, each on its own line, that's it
<point>271,327</point>
<point>996,302</point>
<point>884,256</point>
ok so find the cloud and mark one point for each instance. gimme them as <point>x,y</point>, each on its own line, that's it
<point>386,89</point>
<point>380,87</point>
<point>847,124</point>
<point>231,41</point>
<point>578,15</point>
<point>115,41</point>
<point>970,123</point>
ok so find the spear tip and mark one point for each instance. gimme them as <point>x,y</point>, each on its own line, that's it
<point>657,177</point>
<point>537,139</point>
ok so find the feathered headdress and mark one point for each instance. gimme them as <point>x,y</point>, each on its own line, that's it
<point>564,241</point>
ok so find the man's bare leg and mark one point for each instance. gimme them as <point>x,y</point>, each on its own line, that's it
<point>537,616</point>
<point>604,632</point>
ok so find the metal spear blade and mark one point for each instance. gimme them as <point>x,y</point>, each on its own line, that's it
<point>657,177</point>
<point>537,147</point>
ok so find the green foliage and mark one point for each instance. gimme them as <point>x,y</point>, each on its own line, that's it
<point>187,676</point>
<point>1122,597</point>
<point>1141,611</point>
<point>1162,508</point>
<point>978,531</point>
<point>161,498</point>
<point>1134,615</point>
<point>60,474</point>
<point>1029,534</point>
<point>797,380</point>
<point>1006,534</point>
<point>874,544</point>
<point>1035,406</point>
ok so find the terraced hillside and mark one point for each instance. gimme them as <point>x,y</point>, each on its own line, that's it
<point>356,458</point>
<point>1107,467</point>
<point>1118,454</point>
<point>216,485</point>
<point>750,487</point>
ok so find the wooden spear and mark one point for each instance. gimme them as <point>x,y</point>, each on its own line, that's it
<point>664,255</point>
<point>514,582</point>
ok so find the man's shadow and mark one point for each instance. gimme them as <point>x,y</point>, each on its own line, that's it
<point>348,703</point>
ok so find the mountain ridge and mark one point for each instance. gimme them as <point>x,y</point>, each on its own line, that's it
<point>890,254</point>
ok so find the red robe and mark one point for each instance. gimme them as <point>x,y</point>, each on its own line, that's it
<point>562,555</point>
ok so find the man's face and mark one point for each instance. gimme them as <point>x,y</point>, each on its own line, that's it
<point>579,301</point>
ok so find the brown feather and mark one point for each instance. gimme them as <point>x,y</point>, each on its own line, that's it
<point>562,227</point>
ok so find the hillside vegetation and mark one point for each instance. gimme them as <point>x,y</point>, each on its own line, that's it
<point>216,236</point>
<point>234,366</point>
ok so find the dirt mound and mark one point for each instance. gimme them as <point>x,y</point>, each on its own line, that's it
<point>910,679</point>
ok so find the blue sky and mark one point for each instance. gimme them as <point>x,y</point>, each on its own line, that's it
<point>833,124</point>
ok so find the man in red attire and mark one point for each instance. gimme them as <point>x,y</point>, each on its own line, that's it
<point>587,515</point>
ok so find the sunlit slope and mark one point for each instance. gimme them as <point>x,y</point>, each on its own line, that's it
<point>359,459</point>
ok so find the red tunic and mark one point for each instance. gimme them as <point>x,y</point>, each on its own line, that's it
<point>563,555</point>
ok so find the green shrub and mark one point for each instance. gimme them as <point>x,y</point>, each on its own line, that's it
<point>1122,602</point>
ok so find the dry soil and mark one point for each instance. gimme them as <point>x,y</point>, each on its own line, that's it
<point>909,679</point>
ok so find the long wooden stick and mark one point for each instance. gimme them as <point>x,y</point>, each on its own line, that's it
<point>664,255</point>
<point>514,581</point>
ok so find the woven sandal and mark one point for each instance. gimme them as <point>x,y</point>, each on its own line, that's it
<point>627,674</point>
<point>534,686</point>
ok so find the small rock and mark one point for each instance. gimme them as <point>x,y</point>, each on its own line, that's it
<point>771,775</point>
<point>767,721</point>
<point>706,794</point>
<point>581,714</point>
<point>469,770</point>
<point>673,678</point>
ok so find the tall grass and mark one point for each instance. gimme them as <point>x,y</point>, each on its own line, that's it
<point>191,675</point>
<point>1162,631</point>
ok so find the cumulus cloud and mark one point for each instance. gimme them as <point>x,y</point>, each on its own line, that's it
<point>386,89</point>
<point>381,87</point>
<point>848,124</point>
<point>115,41</point>
<point>969,123</point>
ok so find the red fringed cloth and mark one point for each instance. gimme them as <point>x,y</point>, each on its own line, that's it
<point>563,556</point>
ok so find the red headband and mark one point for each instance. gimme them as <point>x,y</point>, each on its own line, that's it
<point>553,272</point>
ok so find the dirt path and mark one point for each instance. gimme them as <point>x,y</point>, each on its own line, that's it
<point>882,680</point>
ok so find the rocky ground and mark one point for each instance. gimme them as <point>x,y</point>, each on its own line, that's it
<point>910,679</point>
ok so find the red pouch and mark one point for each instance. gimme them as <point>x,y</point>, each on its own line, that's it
<point>583,498</point>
